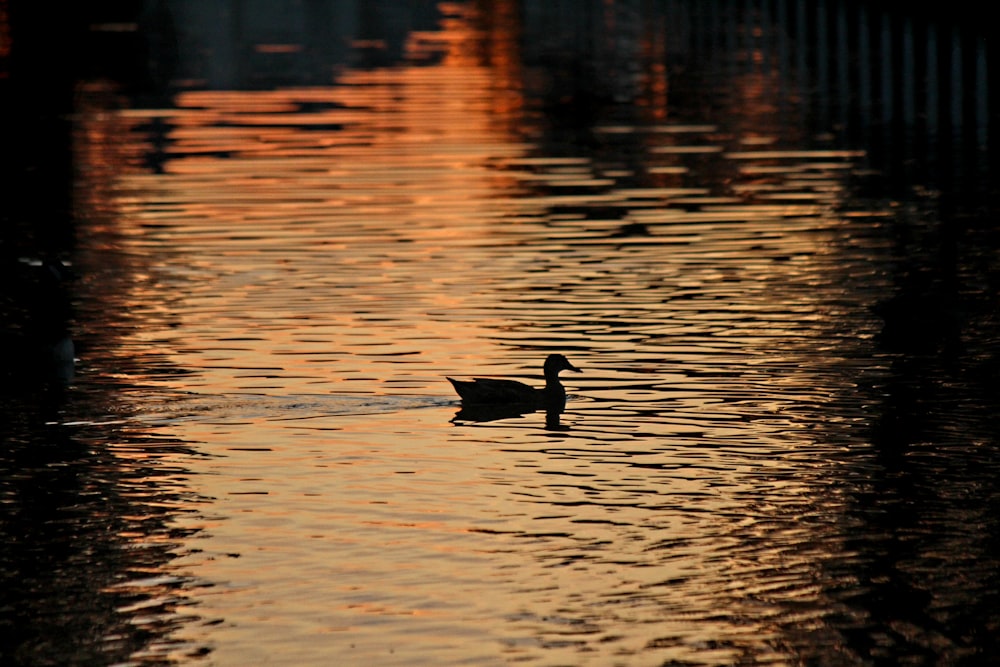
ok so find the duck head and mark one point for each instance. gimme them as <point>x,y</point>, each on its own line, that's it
<point>557,362</point>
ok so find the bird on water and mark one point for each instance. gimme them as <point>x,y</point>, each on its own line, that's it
<point>493,392</point>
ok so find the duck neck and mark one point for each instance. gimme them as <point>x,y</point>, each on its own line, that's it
<point>554,395</point>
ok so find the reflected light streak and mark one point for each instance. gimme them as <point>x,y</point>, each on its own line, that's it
<point>251,175</point>
<point>400,230</point>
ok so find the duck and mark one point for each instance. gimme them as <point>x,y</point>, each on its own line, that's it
<point>493,392</point>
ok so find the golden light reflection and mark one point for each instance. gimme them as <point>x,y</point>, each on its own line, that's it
<point>500,53</point>
<point>298,249</point>
<point>248,170</point>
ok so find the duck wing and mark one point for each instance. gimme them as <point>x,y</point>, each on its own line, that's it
<point>489,391</point>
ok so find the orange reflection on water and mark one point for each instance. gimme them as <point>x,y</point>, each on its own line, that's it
<point>309,257</point>
<point>271,184</point>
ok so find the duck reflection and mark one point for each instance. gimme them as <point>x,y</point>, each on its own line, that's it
<point>489,399</point>
<point>488,413</point>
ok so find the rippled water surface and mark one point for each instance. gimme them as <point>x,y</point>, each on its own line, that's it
<point>265,460</point>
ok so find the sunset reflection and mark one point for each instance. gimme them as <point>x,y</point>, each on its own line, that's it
<point>368,238</point>
<point>282,256</point>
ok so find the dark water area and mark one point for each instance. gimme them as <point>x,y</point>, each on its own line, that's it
<point>244,243</point>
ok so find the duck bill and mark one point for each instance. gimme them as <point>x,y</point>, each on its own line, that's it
<point>573,368</point>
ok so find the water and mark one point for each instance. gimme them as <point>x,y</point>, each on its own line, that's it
<point>770,457</point>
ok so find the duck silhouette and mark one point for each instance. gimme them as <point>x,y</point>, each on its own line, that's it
<point>488,392</point>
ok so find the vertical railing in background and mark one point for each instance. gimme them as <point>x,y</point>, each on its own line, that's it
<point>911,85</point>
<point>886,77</point>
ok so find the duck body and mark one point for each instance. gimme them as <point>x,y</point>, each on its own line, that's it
<point>494,392</point>
<point>488,391</point>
